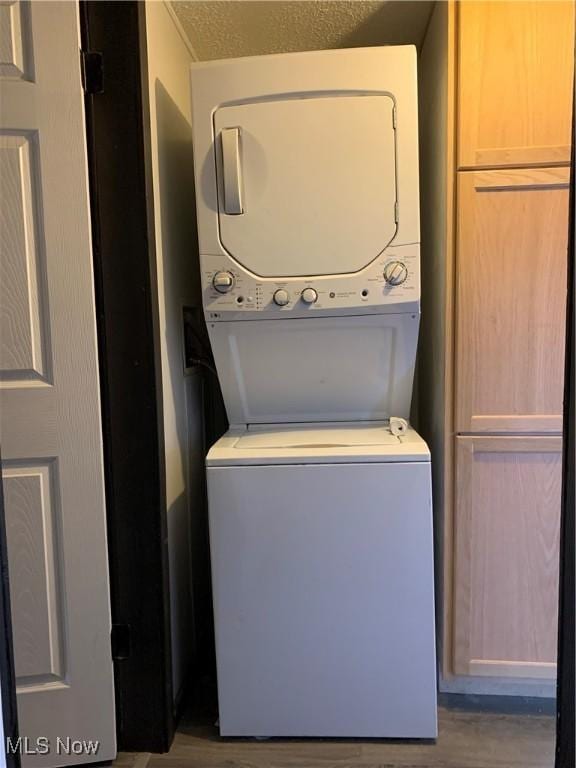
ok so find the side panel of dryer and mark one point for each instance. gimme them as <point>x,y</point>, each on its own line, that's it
<point>323,600</point>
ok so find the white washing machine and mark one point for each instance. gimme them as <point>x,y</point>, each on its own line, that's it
<point>323,576</point>
<point>320,517</point>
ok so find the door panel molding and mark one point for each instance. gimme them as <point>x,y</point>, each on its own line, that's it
<point>522,156</point>
<point>16,53</point>
<point>532,670</point>
<point>529,423</point>
<point>522,118</point>
<point>24,343</point>
<point>506,555</point>
<point>520,178</point>
<point>33,525</point>
<point>510,299</point>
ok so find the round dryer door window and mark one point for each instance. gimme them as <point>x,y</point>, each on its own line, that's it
<point>306,186</point>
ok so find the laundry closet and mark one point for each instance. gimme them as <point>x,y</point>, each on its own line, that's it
<point>283,378</point>
<point>493,210</point>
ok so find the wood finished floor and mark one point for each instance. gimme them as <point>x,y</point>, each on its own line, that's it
<point>466,740</point>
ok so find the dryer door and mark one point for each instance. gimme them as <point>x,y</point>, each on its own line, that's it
<point>306,187</point>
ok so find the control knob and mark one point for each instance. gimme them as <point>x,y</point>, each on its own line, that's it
<point>309,296</point>
<point>223,281</point>
<point>281,297</point>
<point>395,273</point>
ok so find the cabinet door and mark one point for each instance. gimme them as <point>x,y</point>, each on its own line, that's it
<point>515,83</point>
<point>511,299</point>
<point>506,567</point>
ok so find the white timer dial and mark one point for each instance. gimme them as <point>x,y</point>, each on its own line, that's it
<point>223,281</point>
<point>395,273</point>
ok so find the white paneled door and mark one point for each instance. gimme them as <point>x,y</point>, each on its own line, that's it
<point>50,417</point>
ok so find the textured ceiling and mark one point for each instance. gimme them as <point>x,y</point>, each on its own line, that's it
<point>229,28</point>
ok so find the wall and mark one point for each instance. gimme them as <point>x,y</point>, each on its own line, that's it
<point>433,73</point>
<point>169,57</point>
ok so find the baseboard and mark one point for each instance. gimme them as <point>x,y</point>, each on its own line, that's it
<point>504,705</point>
<point>481,686</point>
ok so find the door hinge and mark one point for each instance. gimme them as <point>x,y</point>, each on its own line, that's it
<point>92,71</point>
<point>396,216</point>
<point>394,117</point>
<point>120,641</point>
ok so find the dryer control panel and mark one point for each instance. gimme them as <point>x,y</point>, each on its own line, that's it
<point>230,292</point>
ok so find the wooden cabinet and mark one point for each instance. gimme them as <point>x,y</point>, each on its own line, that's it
<point>495,125</point>
<point>512,232</point>
<point>515,69</point>
<point>507,537</point>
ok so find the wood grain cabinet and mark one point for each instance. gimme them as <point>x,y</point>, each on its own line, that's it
<point>513,122</point>
<point>512,233</point>
<point>515,63</point>
<point>507,537</point>
<point>496,106</point>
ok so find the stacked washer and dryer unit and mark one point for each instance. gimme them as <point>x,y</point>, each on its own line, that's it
<point>306,171</point>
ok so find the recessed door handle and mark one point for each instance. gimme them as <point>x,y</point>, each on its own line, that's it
<point>231,170</point>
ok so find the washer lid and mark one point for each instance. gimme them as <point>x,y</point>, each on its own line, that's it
<point>322,437</point>
<point>316,444</point>
<point>306,186</point>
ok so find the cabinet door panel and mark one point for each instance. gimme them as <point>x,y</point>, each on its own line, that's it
<point>506,564</point>
<point>515,83</point>
<point>511,299</point>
